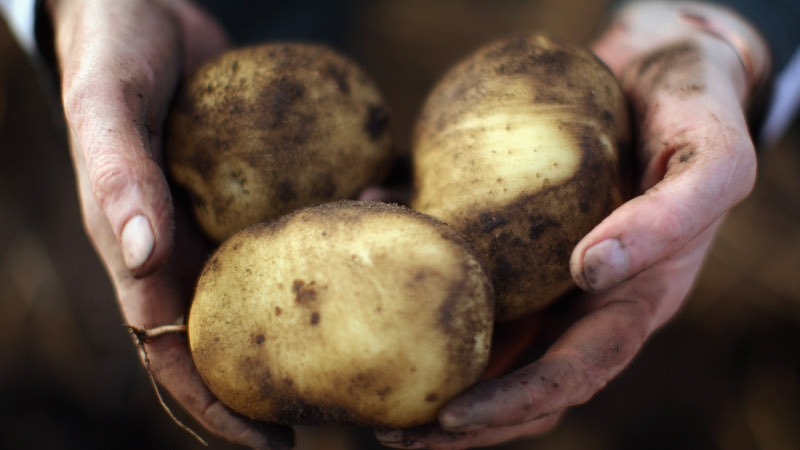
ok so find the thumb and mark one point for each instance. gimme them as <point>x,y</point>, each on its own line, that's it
<point>112,144</point>
<point>116,92</point>
<point>697,158</point>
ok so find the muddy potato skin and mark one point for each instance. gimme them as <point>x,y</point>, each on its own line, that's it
<point>266,129</point>
<point>348,312</point>
<point>518,147</point>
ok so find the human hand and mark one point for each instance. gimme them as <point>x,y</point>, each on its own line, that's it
<point>689,71</point>
<point>120,63</point>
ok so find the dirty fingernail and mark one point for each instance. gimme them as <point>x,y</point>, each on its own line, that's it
<point>605,264</point>
<point>137,242</point>
<point>397,439</point>
<point>459,422</point>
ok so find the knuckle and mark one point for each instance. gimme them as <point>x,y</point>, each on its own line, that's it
<point>90,98</point>
<point>76,100</point>
<point>110,174</point>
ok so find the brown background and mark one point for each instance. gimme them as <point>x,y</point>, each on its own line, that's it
<point>725,374</point>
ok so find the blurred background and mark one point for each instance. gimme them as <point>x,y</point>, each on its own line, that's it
<point>725,374</point>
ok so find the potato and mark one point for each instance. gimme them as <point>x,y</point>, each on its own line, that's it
<point>343,313</point>
<point>266,129</point>
<point>519,148</point>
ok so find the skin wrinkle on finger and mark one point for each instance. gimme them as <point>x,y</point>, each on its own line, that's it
<point>112,178</point>
<point>661,155</point>
<point>675,117</point>
<point>706,148</point>
<point>91,101</point>
<point>101,126</point>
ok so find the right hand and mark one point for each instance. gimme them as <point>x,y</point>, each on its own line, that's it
<point>120,63</point>
<point>689,89</point>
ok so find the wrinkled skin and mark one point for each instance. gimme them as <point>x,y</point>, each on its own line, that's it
<point>120,62</point>
<point>696,160</point>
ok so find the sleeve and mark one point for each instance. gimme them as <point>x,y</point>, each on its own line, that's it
<point>779,23</point>
<point>785,103</point>
<point>20,16</point>
<point>777,20</point>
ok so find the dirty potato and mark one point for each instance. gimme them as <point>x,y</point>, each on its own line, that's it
<point>266,129</point>
<point>519,148</point>
<point>348,312</point>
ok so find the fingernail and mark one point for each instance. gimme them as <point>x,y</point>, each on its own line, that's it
<point>137,242</point>
<point>396,439</point>
<point>605,264</point>
<point>459,423</point>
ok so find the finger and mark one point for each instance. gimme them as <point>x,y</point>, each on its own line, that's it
<point>433,437</point>
<point>399,195</point>
<point>698,161</point>
<point>116,92</point>
<point>590,353</point>
<point>203,37</point>
<point>510,340</point>
<point>158,300</point>
<point>128,185</point>
<point>171,363</point>
<point>563,377</point>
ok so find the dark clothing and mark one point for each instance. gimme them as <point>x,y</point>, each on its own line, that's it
<point>779,23</point>
<point>327,20</point>
<point>304,20</point>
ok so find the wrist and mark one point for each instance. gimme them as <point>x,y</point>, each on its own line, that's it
<point>727,41</point>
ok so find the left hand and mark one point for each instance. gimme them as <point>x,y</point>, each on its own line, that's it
<point>120,64</point>
<point>689,90</point>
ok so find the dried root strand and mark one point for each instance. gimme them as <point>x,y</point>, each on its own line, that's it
<point>142,336</point>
